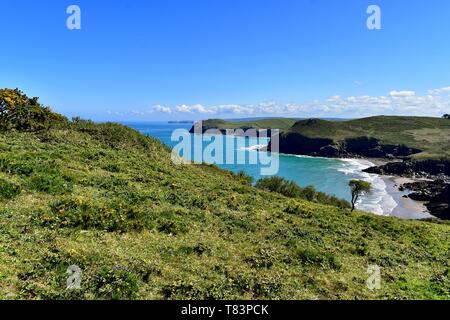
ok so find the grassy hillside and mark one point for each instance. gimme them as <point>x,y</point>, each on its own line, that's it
<point>432,135</point>
<point>109,200</point>
<point>271,123</point>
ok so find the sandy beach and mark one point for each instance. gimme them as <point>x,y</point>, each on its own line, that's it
<point>406,207</point>
<point>386,198</point>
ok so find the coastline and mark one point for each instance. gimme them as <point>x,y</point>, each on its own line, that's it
<point>393,202</point>
<point>397,204</point>
<point>386,198</point>
<point>406,207</point>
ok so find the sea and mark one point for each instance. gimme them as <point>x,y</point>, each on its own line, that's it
<point>325,174</point>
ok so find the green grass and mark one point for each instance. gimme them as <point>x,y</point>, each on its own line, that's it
<point>272,123</point>
<point>109,200</point>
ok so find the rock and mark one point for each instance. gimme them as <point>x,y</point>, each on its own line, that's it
<point>329,151</point>
<point>440,210</point>
<point>435,193</point>
<point>418,169</point>
<point>295,143</point>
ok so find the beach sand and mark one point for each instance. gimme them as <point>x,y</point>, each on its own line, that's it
<point>406,207</point>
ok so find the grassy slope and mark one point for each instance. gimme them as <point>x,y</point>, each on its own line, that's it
<point>429,134</point>
<point>272,123</point>
<point>158,231</point>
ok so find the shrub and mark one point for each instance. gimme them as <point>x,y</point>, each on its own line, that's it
<point>171,222</point>
<point>19,112</point>
<point>8,190</point>
<point>265,258</point>
<point>241,175</point>
<point>115,284</point>
<point>323,259</point>
<point>80,213</point>
<point>13,167</point>
<point>50,182</point>
<point>292,190</point>
<point>113,135</point>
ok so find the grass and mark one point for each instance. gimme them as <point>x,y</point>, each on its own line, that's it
<point>109,200</point>
<point>272,123</point>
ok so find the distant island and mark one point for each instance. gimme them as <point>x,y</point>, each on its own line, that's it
<point>182,121</point>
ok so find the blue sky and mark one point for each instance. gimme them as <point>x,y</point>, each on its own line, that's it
<point>193,59</point>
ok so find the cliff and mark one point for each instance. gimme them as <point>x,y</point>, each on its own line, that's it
<point>296,143</point>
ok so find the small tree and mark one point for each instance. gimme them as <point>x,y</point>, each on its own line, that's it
<point>357,188</point>
<point>446,116</point>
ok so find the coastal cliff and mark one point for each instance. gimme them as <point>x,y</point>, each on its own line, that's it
<point>296,143</point>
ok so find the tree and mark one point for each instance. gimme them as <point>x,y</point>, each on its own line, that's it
<point>358,188</point>
<point>446,116</point>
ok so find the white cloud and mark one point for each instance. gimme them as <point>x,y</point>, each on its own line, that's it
<point>439,91</point>
<point>402,94</point>
<point>232,109</point>
<point>196,108</point>
<point>163,109</point>
<point>334,98</point>
<point>435,103</point>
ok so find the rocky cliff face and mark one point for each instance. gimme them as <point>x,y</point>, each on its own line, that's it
<point>420,169</point>
<point>295,143</point>
<point>436,194</point>
<point>302,145</point>
<point>243,131</point>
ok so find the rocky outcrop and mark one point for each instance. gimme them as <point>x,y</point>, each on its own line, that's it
<point>302,145</point>
<point>243,131</point>
<point>432,169</point>
<point>435,193</point>
<point>295,143</point>
<point>371,147</point>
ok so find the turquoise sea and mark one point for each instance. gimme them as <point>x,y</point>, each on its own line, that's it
<point>327,175</point>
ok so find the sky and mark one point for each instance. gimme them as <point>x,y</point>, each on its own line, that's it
<point>196,59</point>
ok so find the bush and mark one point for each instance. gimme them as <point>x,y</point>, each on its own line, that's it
<point>50,182</point>
<point>115,284</point>
<point>292,190</point>
<point>85,214</point>
<point>314,257</point>
<point>19,112</point>
<point>241,175</point>
<point>8,190</point>
<point>113,135</point>
<point>171,222</point>
<point>14,167</point>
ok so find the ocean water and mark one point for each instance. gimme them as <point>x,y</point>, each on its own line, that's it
<point>326,175</point>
